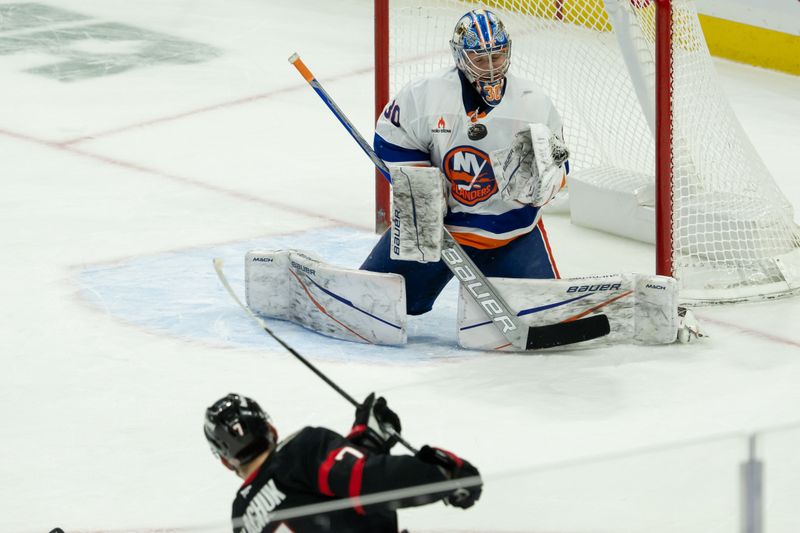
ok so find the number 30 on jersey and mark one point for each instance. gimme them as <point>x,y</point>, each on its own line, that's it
<point>392,113</point>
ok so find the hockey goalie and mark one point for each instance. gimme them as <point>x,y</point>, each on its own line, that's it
<point>370,307</point>
<point>475,181</point>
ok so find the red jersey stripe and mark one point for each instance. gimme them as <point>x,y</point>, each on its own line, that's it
<point>480,242</point>
<point>324,470</point>
<point>355,483</point>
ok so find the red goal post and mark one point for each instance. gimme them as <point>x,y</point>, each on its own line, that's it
<point>663,170</point>
<point>648,126</point>
<point>381,99</point>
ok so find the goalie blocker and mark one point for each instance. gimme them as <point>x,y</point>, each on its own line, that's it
<point>418,208</point>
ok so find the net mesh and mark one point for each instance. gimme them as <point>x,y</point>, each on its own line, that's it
<point>731,225</point>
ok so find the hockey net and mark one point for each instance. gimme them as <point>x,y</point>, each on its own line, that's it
<point>728,232</point>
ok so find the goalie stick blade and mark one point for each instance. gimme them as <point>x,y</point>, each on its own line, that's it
<point>584,329</point>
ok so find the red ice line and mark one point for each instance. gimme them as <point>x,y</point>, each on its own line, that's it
<point>750,331</point>
<point>206,109</point>
<point>66,147</point>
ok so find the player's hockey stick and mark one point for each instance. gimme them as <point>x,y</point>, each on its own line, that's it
<point>218,263</point>
<point>518,334</point>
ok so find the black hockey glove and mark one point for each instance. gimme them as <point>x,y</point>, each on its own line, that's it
<point>375,426</point>
<point>453,467</point>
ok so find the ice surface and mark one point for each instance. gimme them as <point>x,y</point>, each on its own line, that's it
<point>131,158</point>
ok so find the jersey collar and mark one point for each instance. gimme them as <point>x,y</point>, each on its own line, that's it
<point>255,472</point>
<point>472,100</point>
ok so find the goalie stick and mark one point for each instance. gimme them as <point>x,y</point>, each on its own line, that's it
<point>461,265</point>
<point>218,263</point>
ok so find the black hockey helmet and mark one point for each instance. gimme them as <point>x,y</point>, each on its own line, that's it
<point>238,430</point>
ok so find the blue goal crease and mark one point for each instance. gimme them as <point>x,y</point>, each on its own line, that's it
<point>177,294</point>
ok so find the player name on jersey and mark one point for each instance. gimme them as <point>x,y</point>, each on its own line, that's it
<point>256,515</point>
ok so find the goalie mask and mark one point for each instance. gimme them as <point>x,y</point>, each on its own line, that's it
<point>238,430</point>
<point>482,51</point>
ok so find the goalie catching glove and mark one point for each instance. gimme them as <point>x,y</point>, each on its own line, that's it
<point>531,170</point>
<point>376,426</point>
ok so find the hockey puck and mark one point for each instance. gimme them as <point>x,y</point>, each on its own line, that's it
<point>477,132</point>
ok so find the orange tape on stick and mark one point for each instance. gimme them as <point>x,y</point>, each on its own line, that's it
<point>301,67</point>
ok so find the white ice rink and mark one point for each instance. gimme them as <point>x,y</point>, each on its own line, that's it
<point>140,139</point>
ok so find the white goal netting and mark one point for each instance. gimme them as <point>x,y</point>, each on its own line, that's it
<point>733,234</point>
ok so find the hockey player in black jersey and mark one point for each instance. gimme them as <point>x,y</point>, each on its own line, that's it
<point>317,465</point>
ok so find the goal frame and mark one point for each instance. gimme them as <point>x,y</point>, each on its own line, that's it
<point>663,99</point>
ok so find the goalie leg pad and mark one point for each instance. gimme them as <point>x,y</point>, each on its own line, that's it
<point>418,206</point>
<point>641,309</point>
<point>343,303</point>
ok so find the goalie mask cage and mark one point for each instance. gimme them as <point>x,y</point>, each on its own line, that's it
<point>637,91</point>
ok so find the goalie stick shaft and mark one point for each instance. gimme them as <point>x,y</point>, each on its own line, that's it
<point>465,270</point>
<point>218,263</point>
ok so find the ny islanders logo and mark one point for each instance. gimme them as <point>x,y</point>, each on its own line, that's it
<point>470,174</point>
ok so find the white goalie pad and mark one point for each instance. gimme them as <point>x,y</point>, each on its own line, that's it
<point>343,303</point>
<point>418,207</point>
<point>641,309</point>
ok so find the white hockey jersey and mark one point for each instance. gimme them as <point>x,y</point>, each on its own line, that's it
<point>440,120</point>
